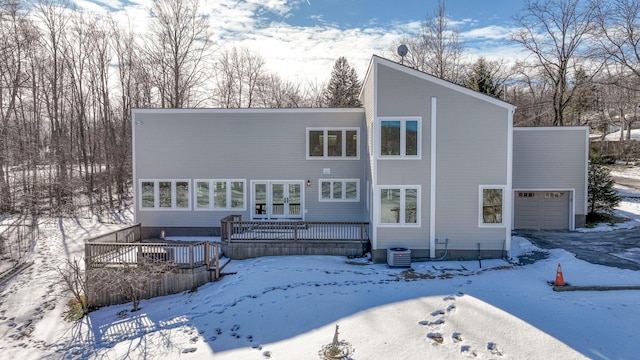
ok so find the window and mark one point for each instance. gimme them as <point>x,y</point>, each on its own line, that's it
<point>339,190</point>
<point>491,201</point>
<point>526,194</point>
<point>400,138</point>
<point>553,195</point>
<point>165,194</point>
<point>340,143</point>
<point>400,205</point>
<point>220,194</point>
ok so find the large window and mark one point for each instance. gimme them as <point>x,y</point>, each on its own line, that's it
<point>491,206</point>
<point>400,138</point>
<point>340,143</point>
<point>165,194</point>
<point>339,190</point>
<point>400,205</point>
<point>220,194</point>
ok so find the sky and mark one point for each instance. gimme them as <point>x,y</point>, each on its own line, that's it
<point>301,39</point>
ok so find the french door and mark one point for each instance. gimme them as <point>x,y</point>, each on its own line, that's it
<point>277,199</point>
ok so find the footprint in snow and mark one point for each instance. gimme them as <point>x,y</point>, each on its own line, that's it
<point>457,337</point>
<point>437,312</point>
<point>495,350</point>
<point>449,298</point>
<point>235,327</point>
<point>451,308</point>
<point>436,337</point>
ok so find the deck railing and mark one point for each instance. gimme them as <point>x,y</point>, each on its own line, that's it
<point>126,235</point>
<point>234,229</point>
<point>185,256</point>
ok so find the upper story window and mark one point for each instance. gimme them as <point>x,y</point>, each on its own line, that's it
<point>333,143</point>
<point>165,194</point>
<point>400,138</point>
<point>220,194</point>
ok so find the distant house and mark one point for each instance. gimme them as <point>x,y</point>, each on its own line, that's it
<point>422,161</point>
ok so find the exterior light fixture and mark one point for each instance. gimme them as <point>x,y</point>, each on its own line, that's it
<point>308,183</point>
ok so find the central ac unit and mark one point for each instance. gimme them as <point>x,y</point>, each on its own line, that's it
<point>399,257</point>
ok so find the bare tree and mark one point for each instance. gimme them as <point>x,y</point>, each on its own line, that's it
<point>73,278</point>
<point>618,32</point>
<point>178,43</point>
<point>554,32</point>
<point>437,48</point>
<point>239,73</point>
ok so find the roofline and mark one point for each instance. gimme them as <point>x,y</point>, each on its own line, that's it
<point>246,110</point>
<point>441,82</point>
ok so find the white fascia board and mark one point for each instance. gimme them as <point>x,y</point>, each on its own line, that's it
<point>552,128</point>
<point>251,111</point>
<point>444,83</point>
<point>433,190</point>
<point>364,80</point>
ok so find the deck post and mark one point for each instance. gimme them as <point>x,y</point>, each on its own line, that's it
<point>216,250</point>
<point>207,252</point>
<point>191,256</point>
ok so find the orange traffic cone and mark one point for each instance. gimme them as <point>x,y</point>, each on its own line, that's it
<point>559,277</point>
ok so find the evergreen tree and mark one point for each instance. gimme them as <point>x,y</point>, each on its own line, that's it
<point>484,77</point>
<point>344,87</point>
<point>602,196</point>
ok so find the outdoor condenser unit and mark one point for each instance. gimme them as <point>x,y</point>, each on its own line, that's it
<point>399,257</point>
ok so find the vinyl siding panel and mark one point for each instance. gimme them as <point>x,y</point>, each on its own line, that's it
<point>552,158</point>
<point>241,144</point>
<point>401,95</point>
<point>471,150</point>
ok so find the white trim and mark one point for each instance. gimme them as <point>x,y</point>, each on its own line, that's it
<point>269,183</point>
<point>401,216</point>
<point>325,143</point>
<point>247,111</point>
<point>481,223</point>
<point>135,187</point>
<point>373,157</point>
<point>508,195</point>
<point>403,137</point>
<point>572,203</point>
<point>433,177</point>
<point>156,195</point>
<point>444,83</point>
<point>552,128</point>
<point>228,195</point>
<point>344,190</point>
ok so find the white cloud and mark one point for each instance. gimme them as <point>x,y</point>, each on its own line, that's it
<point>305,53</point>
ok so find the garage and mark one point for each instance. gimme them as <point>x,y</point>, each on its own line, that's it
<point>542,210</point>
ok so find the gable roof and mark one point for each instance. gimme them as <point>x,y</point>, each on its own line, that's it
<point>375,59</point>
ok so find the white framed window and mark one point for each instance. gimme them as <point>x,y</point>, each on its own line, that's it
<point>527,194</point>
<point>333,143</point>
<point>220,194</point>
<point>400,138</point>
<point>347,190</point>
<point>399,205</point>
<point>491,206</point>
<point>165,194</point>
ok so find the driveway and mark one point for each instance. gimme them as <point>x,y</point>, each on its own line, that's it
<point>618,248</point>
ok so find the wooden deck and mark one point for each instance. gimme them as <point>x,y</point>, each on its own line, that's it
<point>183,266</point>
<point>247,239</point>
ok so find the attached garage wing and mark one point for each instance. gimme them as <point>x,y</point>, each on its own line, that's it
<point>542,210</point>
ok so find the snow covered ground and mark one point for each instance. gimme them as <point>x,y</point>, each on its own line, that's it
<point>288,308</point>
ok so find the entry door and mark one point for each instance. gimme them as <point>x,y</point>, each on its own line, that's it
<point>277,200</point>
<point>285,200</point>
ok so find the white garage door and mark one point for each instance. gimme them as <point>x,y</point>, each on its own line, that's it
<point>541,210</point>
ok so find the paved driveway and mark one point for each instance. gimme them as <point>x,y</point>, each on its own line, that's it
<point>619,248</point>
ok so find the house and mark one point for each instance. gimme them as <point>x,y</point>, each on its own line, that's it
<point>430,165</point>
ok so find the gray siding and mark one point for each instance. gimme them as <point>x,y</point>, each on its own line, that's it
<point>472,149</point>
<point>241,144</point>
<point>552,158</point>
